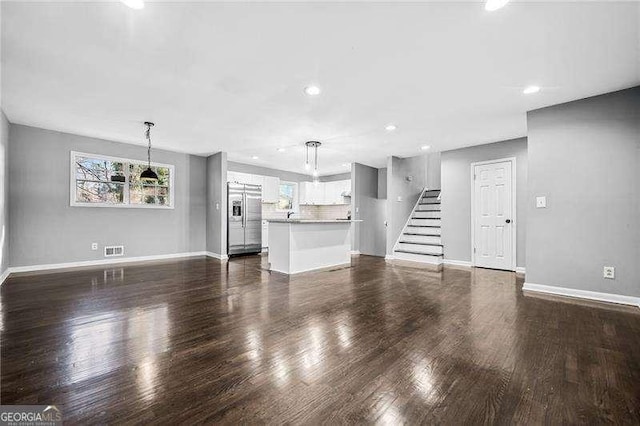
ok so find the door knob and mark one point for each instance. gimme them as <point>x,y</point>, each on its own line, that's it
<point>508,220</point>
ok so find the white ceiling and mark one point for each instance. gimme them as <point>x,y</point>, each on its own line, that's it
<point>230,76</point>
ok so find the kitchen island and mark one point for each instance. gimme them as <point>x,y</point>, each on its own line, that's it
<point>300,245</point>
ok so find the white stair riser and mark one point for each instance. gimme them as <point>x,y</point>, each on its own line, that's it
<point>420,248</point>
<point>425,222</point>
<point>418,258</point>
<point>426,215</point>
<point>417,230</point>
<point>421,239</point>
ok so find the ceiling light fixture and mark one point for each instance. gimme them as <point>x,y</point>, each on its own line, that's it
<point>314,145</point>
<point>254,157</point>
<point>281,150</point>
<point>425,147</point>
<point>531,89</point>
<point>148,175</point>
<point>312,90</point>
<point>134,4</point>
<point>492,5</point>
<point>346,164</point>
<point>390,127</point>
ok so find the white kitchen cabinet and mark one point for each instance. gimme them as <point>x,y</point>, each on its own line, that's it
<point>305,193</point>
<point>265,234</point>
<point>241,178</point>
<point>324,193</point>
<point>270,189</point>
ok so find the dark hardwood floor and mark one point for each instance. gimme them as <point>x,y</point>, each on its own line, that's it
<point>206,342</point>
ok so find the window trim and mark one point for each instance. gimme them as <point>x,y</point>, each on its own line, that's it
<point>125,204</point>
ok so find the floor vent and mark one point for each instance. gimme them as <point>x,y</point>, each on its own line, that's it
<point>113,251</point>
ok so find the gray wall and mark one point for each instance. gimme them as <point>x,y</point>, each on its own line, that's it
<point>584,156</point>
<point>333,178</point>
<point>4,193</point>
<point>265,171</point>
<point>232,166</point>
<point>402,195</point>
<point>382,183</point>
<point>456,195</point>
<point>434,170</point>
<point>369,235</point>
<point>45,229</point>
<point>216,221</point>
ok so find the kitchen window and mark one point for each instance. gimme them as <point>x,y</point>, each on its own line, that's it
<point>286,196</point>
<point>102,181</point>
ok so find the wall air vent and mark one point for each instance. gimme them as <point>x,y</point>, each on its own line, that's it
<point>113,251</point>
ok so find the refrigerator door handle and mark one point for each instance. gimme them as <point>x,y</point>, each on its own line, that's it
<point>244,209</point>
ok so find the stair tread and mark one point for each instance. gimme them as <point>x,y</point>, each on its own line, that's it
<point>422,244</point>
<point>419,252</point>
<point>426,204</point>
<point>423,235</point>
<point>425,226</point>
<point>427,218</point>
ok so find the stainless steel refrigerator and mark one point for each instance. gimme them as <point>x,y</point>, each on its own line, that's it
<point>244,219</point>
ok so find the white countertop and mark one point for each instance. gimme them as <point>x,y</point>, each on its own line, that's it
<point>312,221</point>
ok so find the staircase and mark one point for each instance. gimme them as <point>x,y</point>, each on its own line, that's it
<point>420,240</point>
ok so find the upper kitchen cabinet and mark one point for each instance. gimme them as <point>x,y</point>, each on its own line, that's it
<point>270,185</point>
<point>245,178</point>
<point>270,189</point>
<point>324,193</point>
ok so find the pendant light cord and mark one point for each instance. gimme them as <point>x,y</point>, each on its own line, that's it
<point>149,147</point>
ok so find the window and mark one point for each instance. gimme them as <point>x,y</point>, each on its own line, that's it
<point>286,194</point>
<point>100,181</point>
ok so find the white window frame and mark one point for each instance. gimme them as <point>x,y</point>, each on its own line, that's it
<point>294,202</point>
<point>125,204</point>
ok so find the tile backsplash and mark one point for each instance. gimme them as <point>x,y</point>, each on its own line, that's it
<point>324,212</point>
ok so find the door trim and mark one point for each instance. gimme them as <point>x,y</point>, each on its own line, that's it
<point>514,221</point>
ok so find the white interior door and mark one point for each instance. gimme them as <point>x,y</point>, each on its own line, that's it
<point>493,215</point>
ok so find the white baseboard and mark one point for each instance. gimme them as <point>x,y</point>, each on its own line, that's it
<point>457,262</point>
<point>355,252</point>
<point>389,257</point>
<point>100,262</point>
<point>4,275</point>
<point>216,255</point>
<point>520,270</point>
<point>582,294</point>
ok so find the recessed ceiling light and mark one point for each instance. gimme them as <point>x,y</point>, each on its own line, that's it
<point>312,90</point>
<point>492,5</point>
<point>531,89</point>
<point>134,4</point>
<point>346,164</point>
<point>390,127</point>
<point>425,147</point>
<point>255,157</point>
<point>281,150</point>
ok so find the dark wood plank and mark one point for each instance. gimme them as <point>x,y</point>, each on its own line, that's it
<point>207,342</point>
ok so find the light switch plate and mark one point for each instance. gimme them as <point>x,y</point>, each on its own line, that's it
<point>541,202</point>
<point>609,272</point>
<point>94,246</point>
<point>399,198</point>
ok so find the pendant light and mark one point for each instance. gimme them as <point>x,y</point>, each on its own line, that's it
<point>148,175</point>
<point>314,145</point>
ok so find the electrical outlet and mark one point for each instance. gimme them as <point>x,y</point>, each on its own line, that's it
<point>609,272</point>
<point>399,198</point>
<point>541,202</point>
<point>94,246</point>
